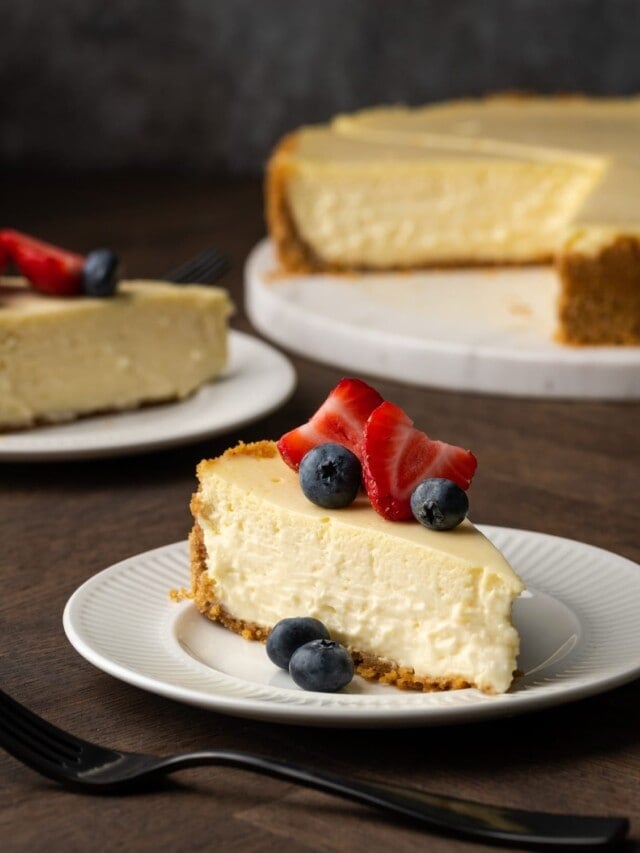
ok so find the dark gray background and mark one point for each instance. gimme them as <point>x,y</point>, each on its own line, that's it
<point>207,86</point>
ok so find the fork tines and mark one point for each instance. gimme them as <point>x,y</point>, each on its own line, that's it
<point>32,739</point>
<point>204,268</point>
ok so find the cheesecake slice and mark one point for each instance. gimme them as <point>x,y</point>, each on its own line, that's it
<point>504,180</point>
<point>62,358</point>
<point>417,608</point>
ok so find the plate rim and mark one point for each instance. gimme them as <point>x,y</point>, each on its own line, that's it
<point>242,341</point>
<point>548,373</point>
<point>354,715</point>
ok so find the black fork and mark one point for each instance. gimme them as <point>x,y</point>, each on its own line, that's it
<point>204,268</point>
<point>84,766</point>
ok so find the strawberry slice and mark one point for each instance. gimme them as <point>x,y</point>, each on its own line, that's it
<point>49,269</point>
<point>341,418</point>
<point>397,456</point>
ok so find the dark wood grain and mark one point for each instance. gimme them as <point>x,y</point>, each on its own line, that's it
<point>559,467</point>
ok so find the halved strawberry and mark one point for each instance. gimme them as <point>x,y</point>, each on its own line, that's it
<point>341,418</point>
<point>49,269</point>
<point>397,457</point>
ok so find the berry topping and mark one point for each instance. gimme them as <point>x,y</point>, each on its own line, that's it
<point>330,476</point>
<point>49,269</point>
<point>322,665</point>
<point>397,457</point>
<point>289,634</point>
<point>439,503</point>
<point>100,273</point>
<point>340,418</point>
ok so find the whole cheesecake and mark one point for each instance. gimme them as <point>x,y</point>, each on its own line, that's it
<point>417,608</point>
<point>63,358</point>
<point>504,180</point>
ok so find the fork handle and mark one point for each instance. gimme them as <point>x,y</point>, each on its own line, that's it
<point>443,813</point>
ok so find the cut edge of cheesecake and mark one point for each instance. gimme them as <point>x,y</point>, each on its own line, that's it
<point>203,593</point>
<point>297,257</point>
<point>590,312</point>
<point>58,330</point>
<point>370,666</point>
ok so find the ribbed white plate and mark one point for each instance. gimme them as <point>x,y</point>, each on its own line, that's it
<point>578,621</point>
<point>488,331</point>
<point>257,380</point>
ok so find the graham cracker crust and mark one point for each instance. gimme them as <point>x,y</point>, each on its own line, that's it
<point>599,302</point>
<point>367,665</point>
<point>294,254</point>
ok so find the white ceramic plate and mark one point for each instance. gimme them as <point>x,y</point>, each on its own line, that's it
<point>485,331</point>
<point>257,380</point>
<point>578,620</point>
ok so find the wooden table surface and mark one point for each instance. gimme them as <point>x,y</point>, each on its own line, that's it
<point>566,468</point>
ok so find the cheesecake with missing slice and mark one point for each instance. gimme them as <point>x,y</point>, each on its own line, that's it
<point>503,180</point>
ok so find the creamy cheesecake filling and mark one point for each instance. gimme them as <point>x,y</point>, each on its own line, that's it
<point>438,603</point>
<point>410,216</point>
<point>60,358</point>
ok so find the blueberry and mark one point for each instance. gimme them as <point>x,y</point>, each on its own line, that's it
<point>439,503</point>
<point>321,665</point>
<point>100,273</point>
<point>330,475</point>
<point>289,634</point>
